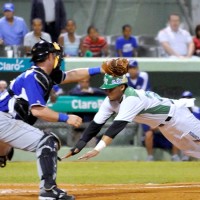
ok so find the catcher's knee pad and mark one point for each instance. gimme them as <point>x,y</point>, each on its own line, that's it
<point>47,159</point>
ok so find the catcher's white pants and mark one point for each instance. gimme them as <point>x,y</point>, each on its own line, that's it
<point>183,130</point>
<point>17,134</point>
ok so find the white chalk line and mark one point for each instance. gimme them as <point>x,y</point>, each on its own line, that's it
<point>103,188</point>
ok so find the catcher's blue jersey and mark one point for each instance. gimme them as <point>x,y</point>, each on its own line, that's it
<point>25,86</point>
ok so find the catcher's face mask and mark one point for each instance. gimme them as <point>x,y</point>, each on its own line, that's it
<point>112,82</point>
<point>58,55</point>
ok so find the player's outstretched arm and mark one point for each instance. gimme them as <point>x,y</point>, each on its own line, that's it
<point>110,134</point>
<point>76,75</point>
<point>90,132</point>
<point>105,141</point>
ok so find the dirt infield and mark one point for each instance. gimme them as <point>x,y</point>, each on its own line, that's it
<point>108,191</point>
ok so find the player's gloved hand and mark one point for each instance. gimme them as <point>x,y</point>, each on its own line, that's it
<point>76,149</point>
<point>74,120</point>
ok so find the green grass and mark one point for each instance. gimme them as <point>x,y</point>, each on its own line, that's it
<point>106,172</point>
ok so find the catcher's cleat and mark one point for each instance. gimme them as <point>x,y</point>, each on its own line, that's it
<point>54,194</point>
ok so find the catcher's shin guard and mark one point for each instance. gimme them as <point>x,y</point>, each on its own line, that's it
<point>47,160</point>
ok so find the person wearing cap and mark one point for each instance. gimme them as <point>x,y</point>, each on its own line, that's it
<point>25,102</point>
<point>136,78</point>
<point>144,107</point>
<point>13,28</point>
<point>193,108</point>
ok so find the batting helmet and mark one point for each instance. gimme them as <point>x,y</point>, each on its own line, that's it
<point>112,82</point>
<point>42,49</point>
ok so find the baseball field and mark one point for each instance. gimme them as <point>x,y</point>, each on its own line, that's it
<point>107,180</point>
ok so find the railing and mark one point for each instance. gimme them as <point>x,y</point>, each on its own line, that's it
<point>131,135</point>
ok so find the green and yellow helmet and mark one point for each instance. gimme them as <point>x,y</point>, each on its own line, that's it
<point>112,82</point>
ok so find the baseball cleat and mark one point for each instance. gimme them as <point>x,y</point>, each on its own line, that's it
<point>55,194</point>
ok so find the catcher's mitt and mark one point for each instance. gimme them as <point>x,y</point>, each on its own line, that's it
<point>116,67</point>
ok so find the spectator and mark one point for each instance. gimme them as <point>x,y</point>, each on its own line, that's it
<point>196,41</point>
<point>193,108</point>
<point>13,28</point>
<point>83,88</point>
<point>3,86</point>
<point>195,111</point>
<point>34,36</point>
<point>136,78</point>
<point>155,139</point>
<point>94,43</point>
<point>126,45</point>
<point>175,40</point>
<point>70,41</point>
<point>52,13</point>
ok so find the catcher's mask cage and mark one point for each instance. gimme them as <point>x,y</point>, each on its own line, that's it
<point>43,48</point>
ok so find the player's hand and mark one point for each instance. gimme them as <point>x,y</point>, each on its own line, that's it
<point>74,120</point>
<point>89,155</point>
<point>71,153</point>
<point>76,149</point>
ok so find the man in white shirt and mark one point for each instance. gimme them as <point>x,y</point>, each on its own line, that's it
<point>171,117</point>
<point>174,40</point>
<point>34,36</point>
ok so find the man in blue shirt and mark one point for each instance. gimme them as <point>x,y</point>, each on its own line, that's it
<point>25,101</point>
<point>126,45</point>
<point>194,109</point>
<point>13,28</point>
<point>137,79</point>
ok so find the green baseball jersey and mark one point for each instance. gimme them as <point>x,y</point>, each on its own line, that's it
<point>137,105</point>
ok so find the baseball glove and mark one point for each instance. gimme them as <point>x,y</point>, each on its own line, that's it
<point>116,67</point>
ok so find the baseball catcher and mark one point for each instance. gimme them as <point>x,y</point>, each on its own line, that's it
<point>25,102</point>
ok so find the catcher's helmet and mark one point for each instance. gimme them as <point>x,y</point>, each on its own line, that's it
<point>42,49</point>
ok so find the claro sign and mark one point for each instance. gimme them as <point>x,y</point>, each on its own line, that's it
<point>80,104</point>
<point>16,66</point>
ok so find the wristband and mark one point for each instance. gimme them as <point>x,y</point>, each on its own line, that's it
<point>100,146</point>
<point>94,70</point>
<point>62,117</point>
